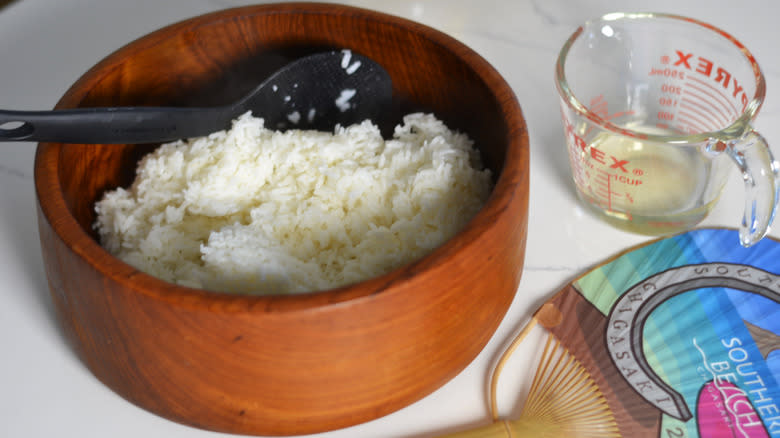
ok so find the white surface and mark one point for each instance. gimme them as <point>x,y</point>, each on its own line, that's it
<point>46,44</point>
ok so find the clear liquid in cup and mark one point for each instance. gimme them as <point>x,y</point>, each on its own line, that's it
<point>642,186</point>
<point>689,77</point>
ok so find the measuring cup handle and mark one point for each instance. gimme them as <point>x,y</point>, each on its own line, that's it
<point>760,173</point>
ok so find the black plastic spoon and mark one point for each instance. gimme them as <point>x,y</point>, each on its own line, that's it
<point>314,92</point>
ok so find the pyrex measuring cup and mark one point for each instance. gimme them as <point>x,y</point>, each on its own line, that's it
<point>656,108</point>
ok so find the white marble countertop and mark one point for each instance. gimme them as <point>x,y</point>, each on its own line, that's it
<point>46,44</point>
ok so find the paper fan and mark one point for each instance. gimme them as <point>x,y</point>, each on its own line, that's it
<point>677,338</point>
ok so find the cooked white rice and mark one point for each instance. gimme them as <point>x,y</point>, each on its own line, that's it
<point>250,210</point>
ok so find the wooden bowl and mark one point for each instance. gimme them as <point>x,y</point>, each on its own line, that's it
<point>282,365</point>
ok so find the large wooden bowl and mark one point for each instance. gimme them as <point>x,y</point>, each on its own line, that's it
<point>281,365</point>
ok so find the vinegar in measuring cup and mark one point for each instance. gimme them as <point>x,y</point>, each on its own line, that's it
<point>643,186</point>
<point>656,111</point>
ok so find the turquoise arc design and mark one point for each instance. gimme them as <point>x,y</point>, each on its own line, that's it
<point>628,316</point>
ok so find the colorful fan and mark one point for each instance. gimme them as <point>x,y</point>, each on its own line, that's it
<point>677,338</point>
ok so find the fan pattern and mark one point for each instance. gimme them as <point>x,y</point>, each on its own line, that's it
<point>676,338</point>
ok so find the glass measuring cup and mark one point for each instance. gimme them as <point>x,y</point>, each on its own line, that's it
<point>656,109</point>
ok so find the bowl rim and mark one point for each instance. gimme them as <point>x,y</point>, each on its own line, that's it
<point>506,187</point>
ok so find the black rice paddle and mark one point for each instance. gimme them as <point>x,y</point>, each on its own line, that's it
<point>314,92</point>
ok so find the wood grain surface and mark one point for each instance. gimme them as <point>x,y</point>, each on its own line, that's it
<point>282,365</point>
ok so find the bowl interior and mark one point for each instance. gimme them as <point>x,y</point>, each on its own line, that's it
<point>217,58</point>
<point>287,364</point>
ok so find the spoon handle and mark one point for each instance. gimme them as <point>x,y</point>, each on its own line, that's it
<point>112,124</point>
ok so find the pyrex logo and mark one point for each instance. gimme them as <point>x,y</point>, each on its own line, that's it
<point>716,73</point>
<point>595,154</point>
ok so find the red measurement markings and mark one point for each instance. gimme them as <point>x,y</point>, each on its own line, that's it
<point>598,106</point>
<point>603,188</point>
<point>716,94</point>
<point>704,68</point>
<point>689,126</point>
<point>692,109</point>
<point>578,171</point>
<point>705,93</point>
<point>705,108</point>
